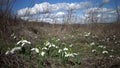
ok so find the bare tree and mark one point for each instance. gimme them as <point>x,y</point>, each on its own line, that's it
<point>6,8</point>
<point>69,15</point>
<point>6,13</point>
<point>116,7</point>
<point>95,10</point>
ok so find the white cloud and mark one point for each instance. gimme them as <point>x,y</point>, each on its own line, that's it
<point>22,12</point>
<point>100,14</point>
<point>47,7</point>
<point>105,1</point>
<point>60,14</point>
<point>98,10</point>
<point>25,18</point>
<point>56,15</point>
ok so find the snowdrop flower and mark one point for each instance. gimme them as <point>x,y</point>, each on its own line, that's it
<point>75,54</point>
<point>56,47</point>
<point>69,55</point>
<point>12,34</point>
<point>65,53</point>
<point>36,37</point>
<point>50,46</point>
<point>53,45</point>
<point>71,45</point>
<point>14,37</point>
<point>104,47</point>
<point>92,43</point>
<point>60,50</point>
<point>42,53</point>
<point>105,52</point>
<point>7,52</point>
<point>100,46</point>
<point>23,42</point>
<point>44,48</point>
<point>111,56</point>
<point>47,43</point>
<point>63,43</point>
<point>87,34</point>
<point>72,36</point>
<point>94,50</point>
<point>65,49</point>
<point>15,49</point>
<point>58,40</point>
<point>35,49</point>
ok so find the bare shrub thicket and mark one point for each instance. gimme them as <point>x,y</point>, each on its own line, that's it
<point>6,14</point>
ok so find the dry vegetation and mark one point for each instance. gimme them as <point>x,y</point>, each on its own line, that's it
<point>37,32</point>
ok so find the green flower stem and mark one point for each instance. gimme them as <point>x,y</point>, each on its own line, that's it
<point>39,62</point>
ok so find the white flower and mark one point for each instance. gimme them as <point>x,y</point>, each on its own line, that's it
<point>71,45</point>
<point>53,45</point>
<point>87,34</point>
<point>94,50</point>
<point>47,43</point>
<point>14,37</point>
<point>69,55</point>
<point>58,40</point>
<point>50,46</point>
<point>111,56</point>
<point>44,48</point>
<point>42,53</point>
<point>60,50</point>
<point>65,49</point>
<point>104,47</point>
<point>56,47</point>
<point>12,34</point>
<point>15,49</point>
<point>18,42</point>
<point>35,49</point>
<point>7,52</point>
<point>75,54</point>
<point>23,42</point>
<point>100,46</point>
<point>105,52</point>
<point>36,37</point>
<point>92,43</point>
<point>72,36</point>
<point>65,53</point>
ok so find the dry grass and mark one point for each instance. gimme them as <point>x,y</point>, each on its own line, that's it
<point>44,31</point>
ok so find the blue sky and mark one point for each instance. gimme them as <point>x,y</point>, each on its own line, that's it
<point>27,3</point>
<point>59,7</point>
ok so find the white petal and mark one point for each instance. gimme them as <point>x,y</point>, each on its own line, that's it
<point>23,44</point>
<point>18,42</point>
<point>42,53</point>
<point>7,53</point>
